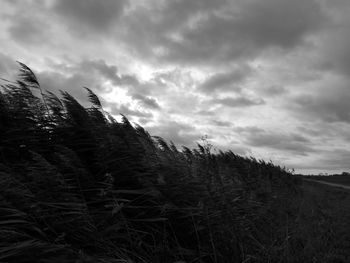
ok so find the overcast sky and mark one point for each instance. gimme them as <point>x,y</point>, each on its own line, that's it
<point>268,78</point>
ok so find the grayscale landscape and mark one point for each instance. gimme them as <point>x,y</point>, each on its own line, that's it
<point>180,131</point>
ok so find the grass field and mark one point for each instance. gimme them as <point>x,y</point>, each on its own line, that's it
<point>339,179</point>
<point>323,228</point>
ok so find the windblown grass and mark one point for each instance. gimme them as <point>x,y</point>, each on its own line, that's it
<point>78,186</point>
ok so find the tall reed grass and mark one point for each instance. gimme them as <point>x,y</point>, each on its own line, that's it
<point>78,186</point>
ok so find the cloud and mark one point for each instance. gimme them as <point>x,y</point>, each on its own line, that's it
<point>205,113</point>
<point>147,102</point>
<point>129,82</point>
<point>186,68</point>
<point>221,123</point>
<point>73,77</point>
<point>336,50</point>
<point>89,15</point>
<point>325,133</point>
<point>226,81</point>
<point>74,84</point>
<point>101,78</point>
<point>110,72</point>
<point>217,31</point>
<point>25,29</point>
<point>28,31</point>
<point>181,134</point>
<point>280,23</point>
<point>129,112</point>
<point>337,159</point>
<point>94,74</point>
<point>329,104</point>
<point>237,102</point>
<point>332,161</point>
<point>249,129</point>
<point>236,149</point>
<point>287,142</point>
<point>334,41</point>
<point>273,91</point>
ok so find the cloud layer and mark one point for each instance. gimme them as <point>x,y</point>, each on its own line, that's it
<point>262,77</point>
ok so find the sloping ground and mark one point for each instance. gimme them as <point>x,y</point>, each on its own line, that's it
<point>336,179</point>
<point>347,187</point>
<point>323,229</point>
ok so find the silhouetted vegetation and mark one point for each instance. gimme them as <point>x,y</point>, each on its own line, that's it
<point>78,186</point>
<point>323,231</point>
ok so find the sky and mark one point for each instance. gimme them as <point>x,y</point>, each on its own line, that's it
<point>264,78</point>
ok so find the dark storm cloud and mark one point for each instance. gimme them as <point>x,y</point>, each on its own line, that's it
<point>208,31</point>
<point>92,74</point>
<point>221,123</point>
<point>28,31</point>
<point>206,113</point>
<point>325,132</point>
<point>227,81</point>
<point>73,77</point>
<point>334,43</point>
<point>313,131</point>
<point>25,28</point>
<point>98,16</point>
<point>110,72</point>
<point>248,130</point>
<point>280,142</point>
<point>337,51</point>
<point>238,102</point>
<point>179,133</point>
<point>288,142</point>
<point>147,102</point>
<point>279,22</point>
<point>331,105</point>
<point>273,91</point>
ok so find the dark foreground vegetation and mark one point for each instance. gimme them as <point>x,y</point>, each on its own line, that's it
<point>78,186</point>
<point>324,217</point>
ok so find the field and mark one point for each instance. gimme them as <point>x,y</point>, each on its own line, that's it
<point>337,179</point>
<point>323,224</point>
